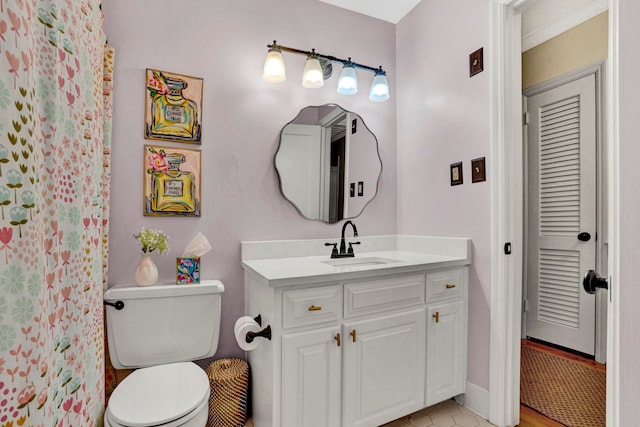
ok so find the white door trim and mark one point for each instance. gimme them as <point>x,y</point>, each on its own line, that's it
<point>613,313</point>
<point>506,213</point>
<point>507,219</point>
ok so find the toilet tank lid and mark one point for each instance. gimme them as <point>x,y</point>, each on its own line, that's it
<point>128,291</point>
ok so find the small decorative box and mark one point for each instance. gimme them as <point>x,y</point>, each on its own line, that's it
<point>187,270</point>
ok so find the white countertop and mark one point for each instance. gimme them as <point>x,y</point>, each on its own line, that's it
<point>313,269</point>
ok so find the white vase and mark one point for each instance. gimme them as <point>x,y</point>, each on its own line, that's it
<point>146,272</point>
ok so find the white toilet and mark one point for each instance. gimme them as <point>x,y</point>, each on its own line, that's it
<point>158,332</point>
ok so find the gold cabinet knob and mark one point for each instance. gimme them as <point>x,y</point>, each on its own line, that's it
<point>353,335</point>
<point>436,316</point>
<point>450,286</point>
<point>337,338</point>
<point>315,308</point>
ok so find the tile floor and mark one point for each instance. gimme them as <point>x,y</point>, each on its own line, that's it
<point>446,414</point>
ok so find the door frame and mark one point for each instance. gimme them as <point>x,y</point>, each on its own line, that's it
<point>507,213</point>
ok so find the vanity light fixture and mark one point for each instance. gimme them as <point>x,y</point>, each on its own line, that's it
<point>318,68</point>
<point>312,76</point>
<point>379,87</point>
<point>274,71</point>
<point>348,81</point>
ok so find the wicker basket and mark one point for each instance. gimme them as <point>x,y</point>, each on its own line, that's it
<point>229,382</point>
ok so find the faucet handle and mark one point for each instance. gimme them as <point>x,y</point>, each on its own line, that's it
<point>334,251</point>
<point>350,250</point>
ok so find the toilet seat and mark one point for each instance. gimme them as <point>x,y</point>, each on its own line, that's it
<point>167,395</point>
<point>197,418</point>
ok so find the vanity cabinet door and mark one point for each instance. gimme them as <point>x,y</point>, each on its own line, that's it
<point>311,378</point>
<point>446,351</point>
<point>384,367</point>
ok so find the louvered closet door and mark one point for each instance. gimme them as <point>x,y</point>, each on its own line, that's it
<point>561,205</point>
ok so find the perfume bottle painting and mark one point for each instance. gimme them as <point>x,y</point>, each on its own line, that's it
<point>172,182</point>
<point>173,107</point>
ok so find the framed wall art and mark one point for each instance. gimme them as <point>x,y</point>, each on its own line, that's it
<point>173,107</point>
<point>456,173</point>
<point>171,181</point>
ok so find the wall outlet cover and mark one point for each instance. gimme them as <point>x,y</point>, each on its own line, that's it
<point>456,173</point>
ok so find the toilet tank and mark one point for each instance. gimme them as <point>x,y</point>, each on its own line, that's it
<point>163,323</point>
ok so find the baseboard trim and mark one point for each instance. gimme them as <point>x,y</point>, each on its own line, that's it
<point>477,399</point>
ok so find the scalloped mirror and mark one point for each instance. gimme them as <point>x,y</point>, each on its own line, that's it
<point>328,163</point>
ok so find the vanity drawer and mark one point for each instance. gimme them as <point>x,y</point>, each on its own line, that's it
<point>311,306</point>
<point>375,295</point>
<point>445,284</point>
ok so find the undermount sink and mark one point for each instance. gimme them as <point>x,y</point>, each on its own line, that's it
<point>359,262</point>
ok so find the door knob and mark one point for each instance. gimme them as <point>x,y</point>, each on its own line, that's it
<point>584,236</point>
<point>592,281</point>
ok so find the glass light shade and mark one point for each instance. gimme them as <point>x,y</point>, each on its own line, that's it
<point>348,82</point>
<point>274,71</point>
<point>312,76</point>
<point>379,88</point>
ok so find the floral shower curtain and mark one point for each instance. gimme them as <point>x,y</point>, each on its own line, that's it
<point>55,114</point>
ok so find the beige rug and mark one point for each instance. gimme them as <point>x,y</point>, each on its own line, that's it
<point>569,393</point>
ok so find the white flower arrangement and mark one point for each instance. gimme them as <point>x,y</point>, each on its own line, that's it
<point>152,240</point>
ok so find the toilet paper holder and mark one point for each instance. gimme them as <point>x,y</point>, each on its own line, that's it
<point>264,333</point>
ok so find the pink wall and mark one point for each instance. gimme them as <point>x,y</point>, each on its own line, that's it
<point>628,284</point>
<point>224,42</point>
<point>443,118</point>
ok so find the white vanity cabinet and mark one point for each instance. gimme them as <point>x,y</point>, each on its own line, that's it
<point>384,349</point>
<point>312,378</point>
<point>383,368</point>
<point>446,335</point>
<point>357,351</point>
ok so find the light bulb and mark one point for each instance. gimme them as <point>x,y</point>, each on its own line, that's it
<point>312,77</point>
<point>274,71</point>
<point>348,82</point>
<point>379,87</point>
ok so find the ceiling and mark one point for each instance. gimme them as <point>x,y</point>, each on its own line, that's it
<point>541,19</point>
<point>387,10</point>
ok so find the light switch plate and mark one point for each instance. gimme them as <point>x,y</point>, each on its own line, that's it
<point>478,172</point>
<point>476,62</point>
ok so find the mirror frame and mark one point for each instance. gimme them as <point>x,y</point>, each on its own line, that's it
<point>375,138</point>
